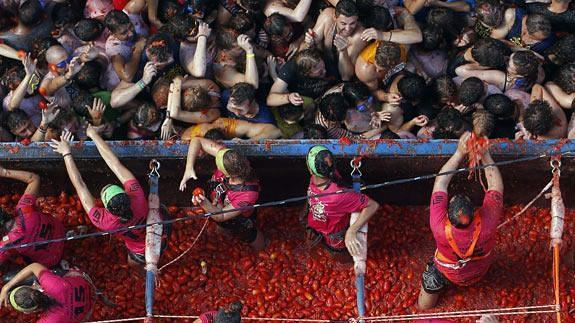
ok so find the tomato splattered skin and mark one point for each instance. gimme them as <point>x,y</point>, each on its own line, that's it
<point>291,281</point>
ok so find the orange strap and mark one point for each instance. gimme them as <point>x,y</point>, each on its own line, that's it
<point>453,245</point>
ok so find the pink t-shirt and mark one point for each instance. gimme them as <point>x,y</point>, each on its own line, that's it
<point>208,317</point>
<point>240,198</point>
<point>32,226</point>
<point>490,213</point>
<point>72,293</point>
<point>330,214</point>
<point>135,240</point>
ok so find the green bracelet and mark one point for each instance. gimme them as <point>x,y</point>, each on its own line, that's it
<point>141,84</point>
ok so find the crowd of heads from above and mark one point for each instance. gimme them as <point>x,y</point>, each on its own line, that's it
<point>290,69</point>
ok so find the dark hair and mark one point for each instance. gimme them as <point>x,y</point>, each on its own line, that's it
<point>356,91</point>
<point>119,205</point>
<point>483,123</point>
<point>158,45</point>
<point>538,118</point>
<point>325,164</point>
<point>116,19</point>
<point>538,23</point>
<point>30,12</point>
<point>195,98</point>
<point>377,17</point>
<point>346,8</point>
<point>312,87</point>
<point>142,115</point>
<point>565,78</point>
<point>460,211</point>
<point>490,52</point>
<point>88,29</point>
<point>238,165</point>
<point>387,54</point>
<point>412,87</point>
<point>275,24</point>
<point>89,75</point>
<point>315,131</point>
<point>165,9</point>
<point>65,13</point>
<point>388,134</point>
<point>526,63</point>
<point>563,50</point>
<point>470,91</point>
<point>181,27</point>
<point>290,112</point>
<point>28,298</point>
<point>16,118</point>
<point>232,315</point>
<point>215,134</point>
<point>443,89</point>
<point>449,122</point>
<point>333,107</point>
<point>39,48</point>
<point>432,38</point>
<point>160,92</point>
<point>251,5</point>
<point>226,38</point>
<point>241,22</point>
<point>13,76</point>
<point>80,100</point>
<point>447,19</point>
<point>490,12</point>
<point>306,60</point>
<point>500,105</point>
<point>241,92</point>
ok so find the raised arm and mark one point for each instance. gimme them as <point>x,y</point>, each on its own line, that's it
<point>126,92</point>
<point>493,175</point>
<point>494,77</point>
<point>63,147</point>
<point>565,100</point>
<point>121,172</point>
<point>410,34</point>
<point>9,52</point>
<point>20,92</point>
<point>442,182</point>
<point>297,14</point>
<point>33,180</point>
<point>197,144</point>
<point>197,67</point>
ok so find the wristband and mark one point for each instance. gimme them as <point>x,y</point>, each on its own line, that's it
<point>67,154</point>
<point>252,55</point>
<point>141,84</point>
<point>42,130</point>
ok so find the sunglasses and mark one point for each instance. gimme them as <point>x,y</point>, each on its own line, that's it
<point>366,105</point>
<point>64,63</point>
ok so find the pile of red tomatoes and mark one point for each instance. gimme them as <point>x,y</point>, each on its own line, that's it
<point>290,279</point>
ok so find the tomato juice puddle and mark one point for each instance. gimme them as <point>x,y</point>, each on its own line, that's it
<point>289,280</point>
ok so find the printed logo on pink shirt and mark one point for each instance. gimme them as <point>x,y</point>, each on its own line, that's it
<point>318,211</point>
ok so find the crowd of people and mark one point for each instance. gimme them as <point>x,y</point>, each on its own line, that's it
<point>269,69</point>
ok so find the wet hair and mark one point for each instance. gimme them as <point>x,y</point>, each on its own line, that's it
<point>490,12</point>
<point>232,315</point>
<point>538,118</point>
<point>39,48</point>
<point>565,78</point>
<point>325,164</point>
<point>238,165</point>
<point>500,105</point>
<point>13,76</point>
<point>165,9</point>
<point>158,45</point>
<point>160,92</point>
<point>275,24</point>
<point>29,298</point>
<point>538,23</point>
<point>306,60</point>
<point>334,107</point>
<point>563,50</point>
<point>315,131</point>
<point>242,92</point>
<point>471,91</point>
<point>377,17</point>
<point>460,211</point>
<point>432,38</point>
<point>116,19</point>
<point>491,53</point>
<point>446,19</point>
<point>290,112</point>
<point>387,54</point>
<point>89,75</point>
<point>180,27</point>
<point>16,118</point>
<point>356,92</point>
<point>312,87</point>
<point>195,98</point>
<point>226,38</point>
<point>65,14</point>
<point>30,12</point>
<point>241,22</point>
<point>119,206</point>
<point>526,63</point>
<point>449,122</point>
<point>88,29</point>
<point>215,134</point>
<point>252,5</point>
<point>483,123</point>
<point>80,100</point>
<point>346,8</point>
<point>412,87</point>
<point>388,134</point>
<point>142,115</point>
<point>443,89</point>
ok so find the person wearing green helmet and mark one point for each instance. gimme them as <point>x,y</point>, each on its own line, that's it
<point>328,217</point>
<point>123,206</point>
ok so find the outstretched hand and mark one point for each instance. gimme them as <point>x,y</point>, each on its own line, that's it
<point>63,146</point>
<point>189,174</point>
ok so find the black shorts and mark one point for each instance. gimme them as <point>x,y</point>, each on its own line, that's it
<point>433,281</point>
<point>241,227</point>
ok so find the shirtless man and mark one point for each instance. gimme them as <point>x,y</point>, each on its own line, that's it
<point>543,118</point>
<point>337,33</point>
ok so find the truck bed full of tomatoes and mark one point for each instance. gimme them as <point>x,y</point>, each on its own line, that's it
<point>291,280</point>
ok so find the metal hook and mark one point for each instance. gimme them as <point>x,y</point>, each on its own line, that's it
<point>154,168</point>
<point>555,165</point>
<point>355,164</point>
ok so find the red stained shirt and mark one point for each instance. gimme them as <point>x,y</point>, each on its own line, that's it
<point>135,240</point>
<point>73,295</point>
<point>33,226</point>
<point>331,214</point>
<point>239,199</point>
<point>490,213</point>
<point>208,317</point>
